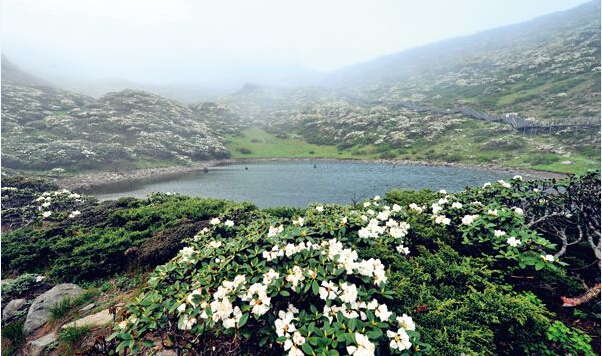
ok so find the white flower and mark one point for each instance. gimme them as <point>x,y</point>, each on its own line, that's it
<point>406,322</point>
<point>488,184</point>
<point>367,204</point>
<point>398,231</point>
<point>436,208</point>
<point>504,183</point>
<point>492,212</point>
<point>261,305</point>
<point>548,258</point>
<point>270,276</point>
<point>399,340</point>
<point>291,345</point>
<point>364,346</point>
<point>214,244</point>
<point>182,308</point>
<point>40,278</point>
<point>403,250</point>
<point>284,325</point>
<point>296,276</point>
<point>187,253</point>
<point>443,191</point>
<point>469,219</point>
<point>328,290</point>
<point>46,204</point>
<point>349,294</point>
<point>229,223</point>
<point>499,233</point>
<point>513,241</point>
<point>415,207</point>
<point>46,214</point>
<point>74,213</point>
<point>319,209</point>
<point>275,230</point>
<point>377,198</point>
<point>397,208</point>
<point>188,322</point>
<point>382,312</point>
<point>214,221</point>
<point>300,221</point>
<point>518,211</point>
<point>383,215</point>
<point>442,219</point>
<point>456,205</point>
<point>517,177</point>
<point>536,190</point>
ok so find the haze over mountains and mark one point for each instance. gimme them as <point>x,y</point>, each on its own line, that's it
<point>546,69</point>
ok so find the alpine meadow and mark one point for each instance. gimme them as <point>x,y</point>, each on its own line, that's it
<point>300,178</point>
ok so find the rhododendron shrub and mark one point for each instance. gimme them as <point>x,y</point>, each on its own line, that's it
<point>294,286</point>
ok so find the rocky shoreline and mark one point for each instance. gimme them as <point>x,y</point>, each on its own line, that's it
<point>94,180</point>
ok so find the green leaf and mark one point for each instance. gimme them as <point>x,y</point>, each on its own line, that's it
<point>315,288</point>
<point>243,320</point>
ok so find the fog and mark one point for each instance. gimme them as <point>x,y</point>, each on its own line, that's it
<point>223,44</point>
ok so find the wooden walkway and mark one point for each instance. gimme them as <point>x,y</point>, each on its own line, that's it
<point>516,121</point>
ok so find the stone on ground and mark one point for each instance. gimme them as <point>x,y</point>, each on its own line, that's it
<point>39,312</point>
<point>13,308</point>
<point>101,318</point>
<point>37,347</point>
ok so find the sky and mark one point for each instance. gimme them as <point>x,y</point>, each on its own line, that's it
<point>173,41</point>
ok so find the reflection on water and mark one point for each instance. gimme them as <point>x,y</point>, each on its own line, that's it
<point>295,183</point>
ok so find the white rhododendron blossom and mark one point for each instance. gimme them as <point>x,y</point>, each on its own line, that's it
<point>548,258</point>
<point>363,348</point>
<point>456,205</point>
<point>513,241</point>
<point>187,253</point>
<point>499,233</point>
<point>400,340</point>
<point>275,230</point>
<point>299,221</point>
<point>469,219</point>
<point>214,221</point>
<point>320,209</point>
<point>406,322</point>
<point>229,223</point>
<point>442,219</point>
<point>416,208</point>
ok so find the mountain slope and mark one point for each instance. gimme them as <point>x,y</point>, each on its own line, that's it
<point>45,128</point>
<point>546,68</point>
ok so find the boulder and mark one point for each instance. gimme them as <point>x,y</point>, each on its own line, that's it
<point>101,318</point>
<point>87,307</point>
<point>13,308</point>
<point>37,347</point>
<point>39,312</point>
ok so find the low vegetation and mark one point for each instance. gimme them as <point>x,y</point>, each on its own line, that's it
<point>480,272</point>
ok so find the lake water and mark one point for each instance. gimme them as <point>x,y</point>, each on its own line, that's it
<point>298,183</point>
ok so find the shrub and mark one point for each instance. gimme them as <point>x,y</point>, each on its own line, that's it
<point>97,248</point>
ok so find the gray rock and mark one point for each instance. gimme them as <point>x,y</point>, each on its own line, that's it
<point>87,307</point>
<point>39,312</point>
<point>13,308</point>
<point>101,318</point>
<point>37,347</point>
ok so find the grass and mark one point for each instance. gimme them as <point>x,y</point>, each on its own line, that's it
<point>262,144</point>
<point>463,145</point>
<point>12,338</point>
<point>70,337</point>
<point>62,308</point>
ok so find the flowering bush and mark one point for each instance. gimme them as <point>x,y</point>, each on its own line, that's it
<point>297,285</point>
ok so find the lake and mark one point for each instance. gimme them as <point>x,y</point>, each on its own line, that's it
<point>298,183</point>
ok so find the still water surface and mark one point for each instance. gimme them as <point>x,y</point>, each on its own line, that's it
<point>298,183</point>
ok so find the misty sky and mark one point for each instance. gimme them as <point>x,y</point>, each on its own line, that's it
<point>208,41</point>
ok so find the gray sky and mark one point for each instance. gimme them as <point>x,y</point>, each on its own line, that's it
<point>193,40</point>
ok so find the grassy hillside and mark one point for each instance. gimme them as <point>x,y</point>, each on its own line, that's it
<point>463,144</point>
